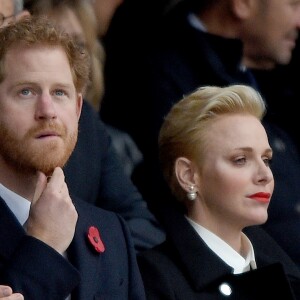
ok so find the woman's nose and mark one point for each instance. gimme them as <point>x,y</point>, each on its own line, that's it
<point>264,173</point>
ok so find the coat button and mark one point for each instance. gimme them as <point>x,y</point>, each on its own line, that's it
<point>225,289</point>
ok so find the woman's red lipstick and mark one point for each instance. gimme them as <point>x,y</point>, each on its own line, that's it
<point>261,197</point>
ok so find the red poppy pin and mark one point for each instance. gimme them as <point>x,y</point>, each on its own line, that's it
<point>94,238</point>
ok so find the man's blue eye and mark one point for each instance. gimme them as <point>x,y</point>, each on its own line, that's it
<point>60,93</point>
<point>25,92</point>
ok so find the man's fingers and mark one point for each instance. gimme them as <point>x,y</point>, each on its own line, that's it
<point>57,177</point>
<point>5,291</point>
<point>40,186</point>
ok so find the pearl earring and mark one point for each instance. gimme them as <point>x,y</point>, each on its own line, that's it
<point>191,194</point>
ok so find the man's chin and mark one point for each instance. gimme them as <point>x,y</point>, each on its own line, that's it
<point>48,172</point>
<point>27,157</point>
<point>48,169</point>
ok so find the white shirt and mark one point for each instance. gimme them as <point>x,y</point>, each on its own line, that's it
<point>226,252</point>
<point>196,23</point>
<point>17,204</point>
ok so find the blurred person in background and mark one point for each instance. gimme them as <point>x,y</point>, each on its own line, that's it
<point>104,12</point>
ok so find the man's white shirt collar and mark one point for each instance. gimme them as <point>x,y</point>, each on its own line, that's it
<point>196,22</point>
<point>17,204</point>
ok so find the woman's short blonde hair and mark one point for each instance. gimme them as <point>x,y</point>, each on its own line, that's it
<point>185,126</point>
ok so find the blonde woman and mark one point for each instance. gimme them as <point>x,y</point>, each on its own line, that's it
<point>215,157</point>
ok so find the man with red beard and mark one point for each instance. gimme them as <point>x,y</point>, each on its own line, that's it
<point>52,246</point>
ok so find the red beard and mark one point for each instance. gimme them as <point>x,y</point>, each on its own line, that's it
<point>30,154</point>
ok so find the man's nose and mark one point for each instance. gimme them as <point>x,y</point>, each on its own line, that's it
<point>45,107</point>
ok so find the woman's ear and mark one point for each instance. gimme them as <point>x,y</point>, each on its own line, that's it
<point>185,171</point>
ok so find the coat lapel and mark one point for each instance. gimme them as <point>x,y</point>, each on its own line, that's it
<point>84,257</point>
<point>10,230</point>
<point>202,264</point>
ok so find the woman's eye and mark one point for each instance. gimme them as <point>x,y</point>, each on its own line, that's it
<point>240,160</point>
<point>267,161</point>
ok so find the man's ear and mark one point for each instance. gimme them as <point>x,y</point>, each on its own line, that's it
<point>79,104</point>
<point>242,9</point>
<point>22,14</point>
<point>185,171</point>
